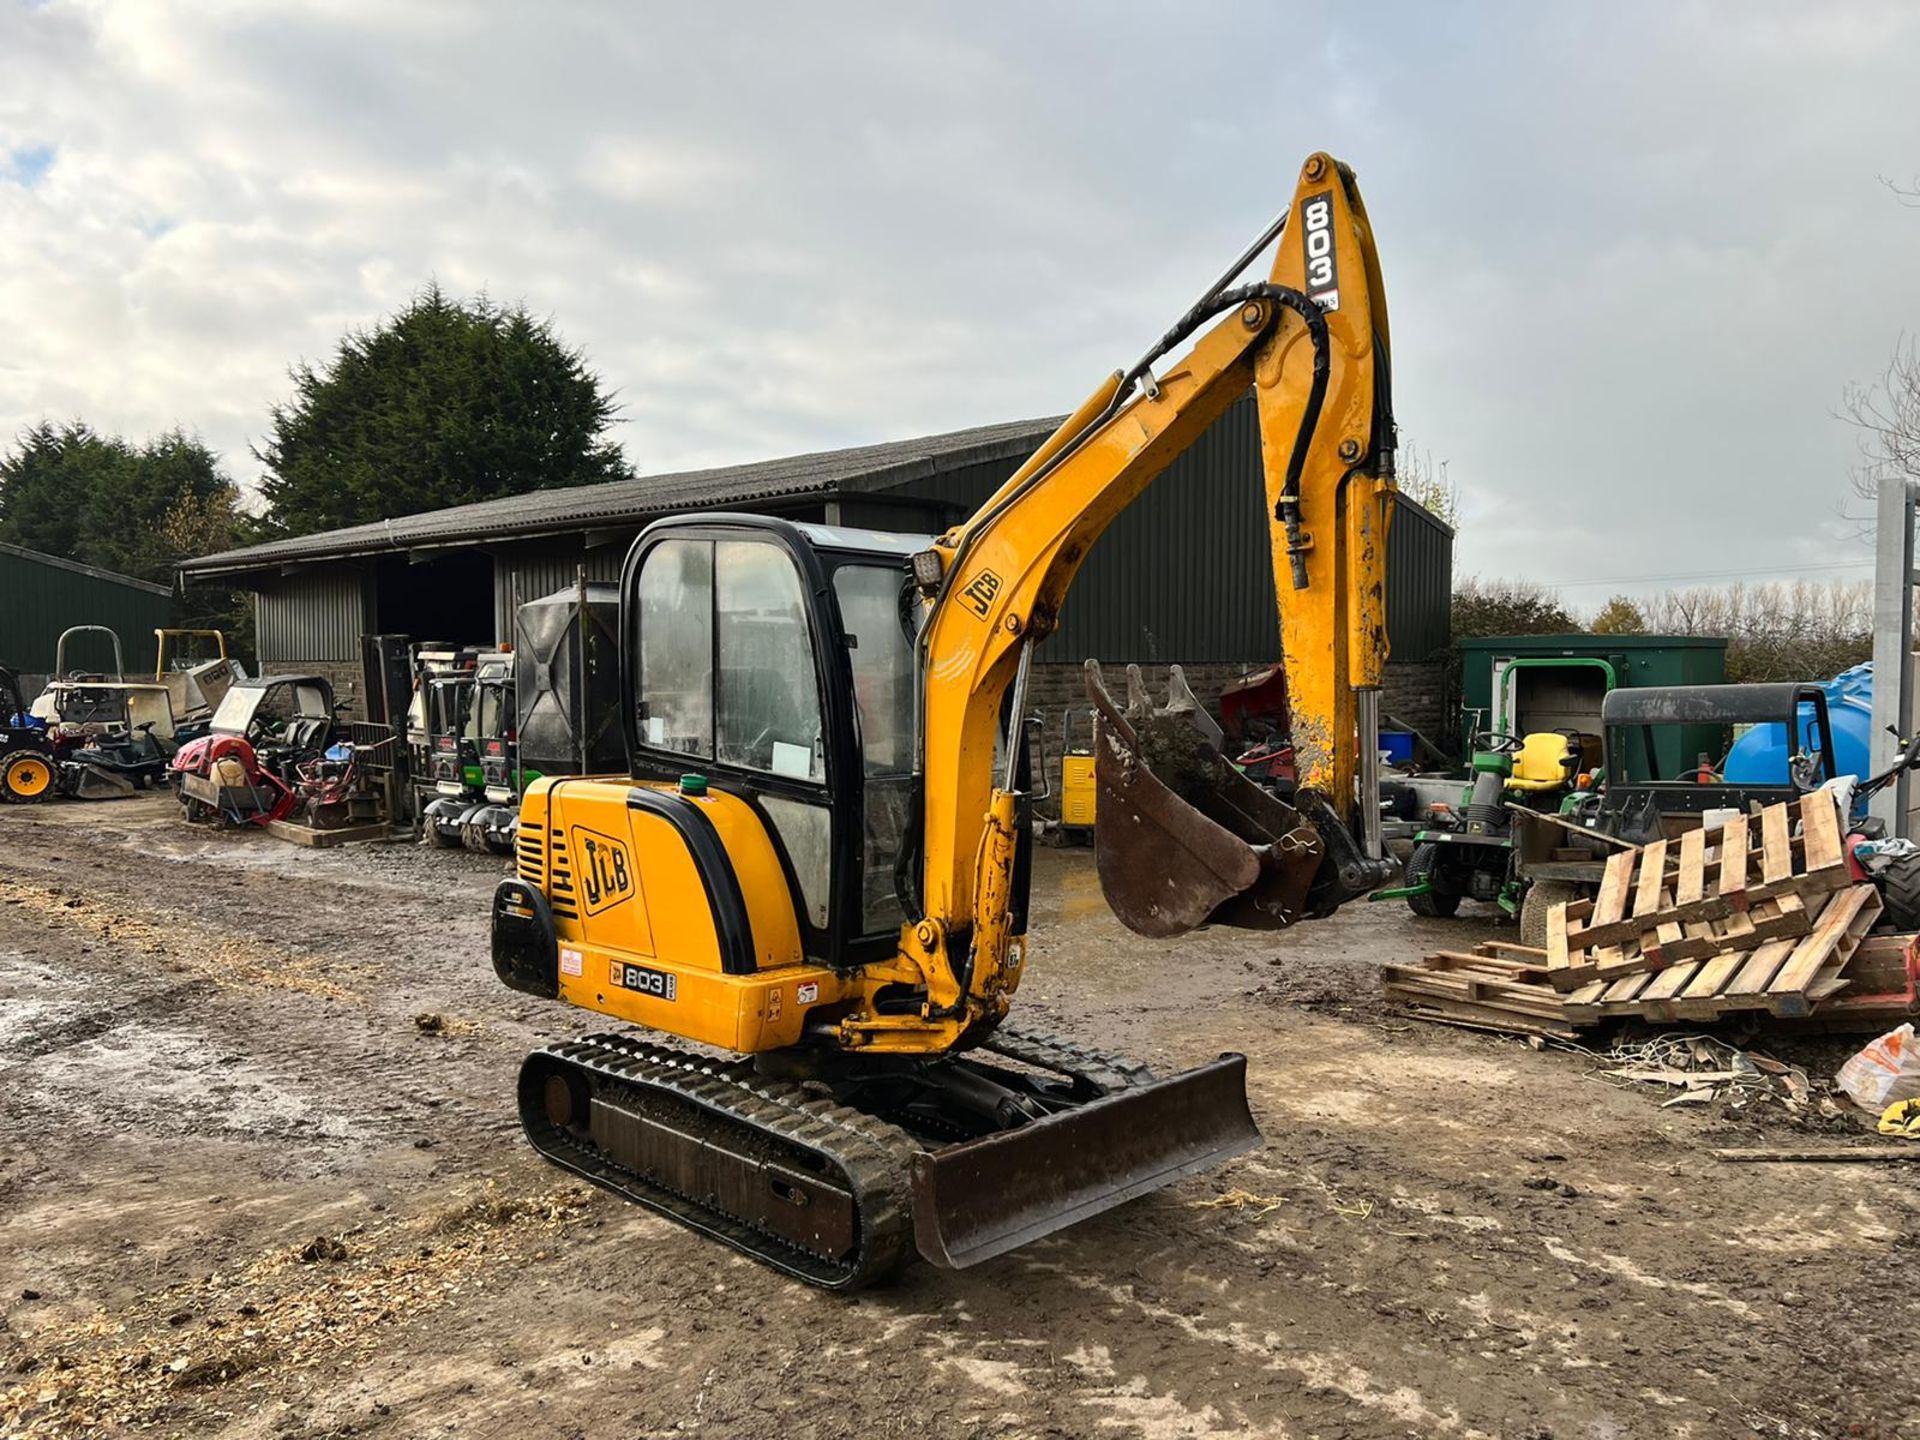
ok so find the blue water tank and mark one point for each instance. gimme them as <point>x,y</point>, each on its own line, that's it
<point>1759,757</point>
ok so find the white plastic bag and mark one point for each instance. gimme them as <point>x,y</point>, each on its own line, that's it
<point>1886,1071</point>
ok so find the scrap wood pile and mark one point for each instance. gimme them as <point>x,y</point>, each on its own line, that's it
<point>1765,918</point>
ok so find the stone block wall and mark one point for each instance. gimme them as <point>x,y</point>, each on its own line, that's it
<point>346,677</point>
<point>1413,693</point>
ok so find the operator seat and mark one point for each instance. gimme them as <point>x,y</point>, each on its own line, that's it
<point>1545,760</point>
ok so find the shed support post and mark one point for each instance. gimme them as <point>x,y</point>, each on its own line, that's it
<point>1892,643</point>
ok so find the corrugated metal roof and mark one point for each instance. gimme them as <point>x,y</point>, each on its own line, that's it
<point>860,470</point>
<point>20,552</point>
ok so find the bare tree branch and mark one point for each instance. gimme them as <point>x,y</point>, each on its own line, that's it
<point>1907,194</point>
<point>1887,416</point>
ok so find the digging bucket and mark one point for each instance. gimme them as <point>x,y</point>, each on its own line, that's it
<point>981,1198</point>
<point>1181,838</point>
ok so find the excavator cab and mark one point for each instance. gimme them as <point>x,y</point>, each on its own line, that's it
<point>776,661</point>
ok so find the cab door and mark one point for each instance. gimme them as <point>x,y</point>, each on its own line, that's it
<point>734,673</point>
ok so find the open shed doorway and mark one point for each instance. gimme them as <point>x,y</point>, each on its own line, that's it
<point>449,597</point>
<point>1552,694</point>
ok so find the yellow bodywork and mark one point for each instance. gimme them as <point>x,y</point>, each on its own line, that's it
<point>625,891</point>
<point>1002,578</point>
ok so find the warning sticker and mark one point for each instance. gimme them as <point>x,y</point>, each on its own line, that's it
<point>570,961</point>
<point>809,992</point>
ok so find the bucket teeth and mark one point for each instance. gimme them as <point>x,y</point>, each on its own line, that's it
<point>1182,838</point>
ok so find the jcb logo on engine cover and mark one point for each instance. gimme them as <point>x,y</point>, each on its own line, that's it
<point>604,869</point>
<point>1323,267</point>
<point>980,591</point>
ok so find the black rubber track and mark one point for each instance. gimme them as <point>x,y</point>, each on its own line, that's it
<point>871,1156</point>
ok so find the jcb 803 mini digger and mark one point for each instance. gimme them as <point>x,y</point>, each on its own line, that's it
<point>819,859</point>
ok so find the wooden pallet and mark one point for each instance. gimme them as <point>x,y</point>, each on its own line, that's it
<point>1671,902</point>
<point>1510,987</point>
<point>1492,987</point>
<point>326,839</point>
<point>1786,977</point>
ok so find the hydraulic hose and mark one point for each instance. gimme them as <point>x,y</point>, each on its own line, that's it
<point>1288,509</point>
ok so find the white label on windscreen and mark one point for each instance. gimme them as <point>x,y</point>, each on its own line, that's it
<point>656,730</point>
<point>793,760</point>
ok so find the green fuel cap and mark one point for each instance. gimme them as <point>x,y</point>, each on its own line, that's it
<point>693,784</point>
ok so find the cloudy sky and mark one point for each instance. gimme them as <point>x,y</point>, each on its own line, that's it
<point>1636,252</point>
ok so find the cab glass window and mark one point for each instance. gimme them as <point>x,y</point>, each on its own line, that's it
<point>881,652</point>
<point>675,604</point>
<point>767,705</point>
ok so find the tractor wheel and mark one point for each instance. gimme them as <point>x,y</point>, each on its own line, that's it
<point>1420,867</point>
<point>26,777</point>
<point>1899,886</point>
<point>1542,896</point>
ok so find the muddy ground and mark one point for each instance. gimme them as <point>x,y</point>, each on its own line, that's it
<point>259,1177</point>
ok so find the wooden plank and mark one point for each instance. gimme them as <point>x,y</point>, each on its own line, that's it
<point>1520,1014</point>
<point>1830,983</point>
<point>1776,855</point>
<point>1657,1000</point>
<point>1625,989</point>
<point>1581,830</point>
<point>325,839</point>
<point>1649,893</point>
<point>1757,973</point>
<point>1699,1001</point>
<point>1610,905</point>
<point>1558,957</point>
<point>1691,887</point>
<point>1808,887</point>
<point>1491,981</point>
<point>1481,991</point>
<point>1476,958</point>
<point>1820,826</point>
<point>1667,940</point>
<point>1733,862</point>
<point>1476,1018</point>
<point>1581,1007</point>
<point>1532,954</point>
<point>1843,924</point>
<point>1671,981</point>
<point>1781,916</point>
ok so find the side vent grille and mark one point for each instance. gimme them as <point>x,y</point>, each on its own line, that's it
<point>560,881</point>
<point>531,854</point>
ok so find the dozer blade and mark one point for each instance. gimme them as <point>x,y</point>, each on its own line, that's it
<point>1181,838</point>
<point>91,782</point>
<point>982,1198</point>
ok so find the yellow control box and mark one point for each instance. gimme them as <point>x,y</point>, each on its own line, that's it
<point>1076,790</point>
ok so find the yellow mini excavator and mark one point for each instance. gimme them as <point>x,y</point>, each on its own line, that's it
<point>819,860</point>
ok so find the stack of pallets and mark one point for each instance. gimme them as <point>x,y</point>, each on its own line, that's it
<point>1766,917</point>
<point>1490,987</point>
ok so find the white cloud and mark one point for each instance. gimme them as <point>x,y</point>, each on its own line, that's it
<point>1633,267</point>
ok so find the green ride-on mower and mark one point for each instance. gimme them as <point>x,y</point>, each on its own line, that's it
<point>1468,853</point>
